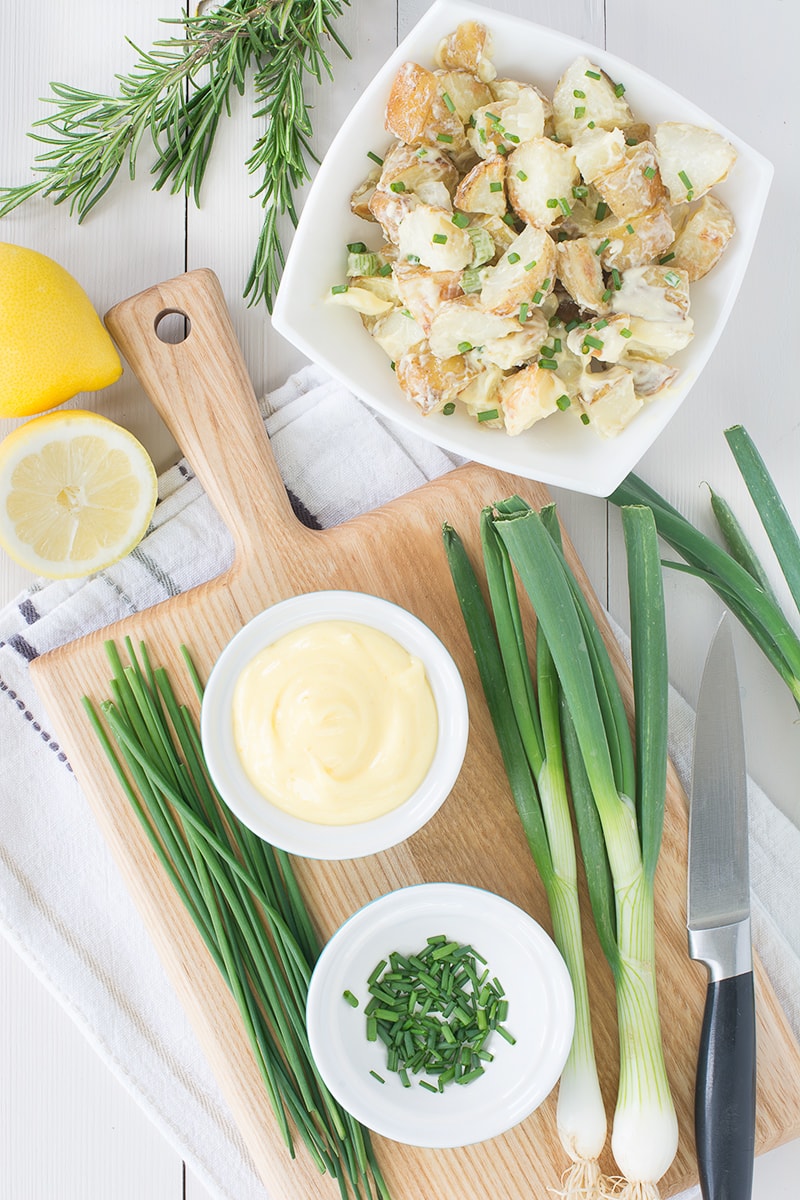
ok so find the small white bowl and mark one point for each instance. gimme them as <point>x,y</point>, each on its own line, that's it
<point>541,1016</point>
<point>306,838</point>
<point>559,450</point>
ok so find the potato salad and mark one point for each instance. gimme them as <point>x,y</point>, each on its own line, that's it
<point>528,254</point>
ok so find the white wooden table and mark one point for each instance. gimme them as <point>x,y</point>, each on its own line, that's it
<point>68,1130</point>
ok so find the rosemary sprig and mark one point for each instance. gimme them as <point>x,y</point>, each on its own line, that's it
<point>175,95</point>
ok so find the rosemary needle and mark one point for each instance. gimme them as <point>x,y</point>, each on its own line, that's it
<point>175,95</point>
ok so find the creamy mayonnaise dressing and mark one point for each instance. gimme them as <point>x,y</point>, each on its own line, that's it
<point>335,723</point>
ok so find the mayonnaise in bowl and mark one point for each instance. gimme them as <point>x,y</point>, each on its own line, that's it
<point>334,724</point>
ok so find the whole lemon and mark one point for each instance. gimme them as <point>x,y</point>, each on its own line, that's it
<point>52,342</point>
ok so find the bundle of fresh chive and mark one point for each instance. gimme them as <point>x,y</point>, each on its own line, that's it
<point>435,1013</point>
<point>244,899</point>
<point>574,713</point>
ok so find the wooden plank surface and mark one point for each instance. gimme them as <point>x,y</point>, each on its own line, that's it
<point>395,552</point>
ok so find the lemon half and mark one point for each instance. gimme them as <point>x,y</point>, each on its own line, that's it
<point>77,492</point>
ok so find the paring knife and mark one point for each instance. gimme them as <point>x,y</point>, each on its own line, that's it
<point>719,931</point>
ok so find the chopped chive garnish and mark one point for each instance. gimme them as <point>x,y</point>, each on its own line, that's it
<point>501,149</point>
<point>619,90</point>
<point>546,283</point>
<point>491,414</point>
<point>510,219</point>
<point>512,137</point>
<point>579,95</point>
<point>538,297</point>
<point>529,266</point>
<point>615,279</point>
<point>593,74</point>
<point>380,1078</point>
<point>685,180</point>
<point>439,238</point>
<point>564,206</point>
<point>601,324</point>
<point>600,211</point>
<point>606,242</point>
<point>523,312</point>
<point>448,102</point>
<point>552,202</point>
<point>580,191</point>
<point>482,134</point>
<point>672,279</point>
<point>631,141</point>
<point>548,364</point>
<point>397,186</point>
<point>667,258</point>
<point>513,257</point>
<point>573,324</point>
<point>493,117</point>
<point>606,296</point>
<point>385,270</point>
<point>579,112</point>
<point>649,172</point>
<point>356,247</point>
<point>626,333</point>
<point>464,347</point>
<point>590,125</point>
<point>375,158</point>
<point>522,175</point>
<point>629,228</point>
<point>412,258</point>
<point>449,408</point>
<point>444,137</point>
<point>460,219</point>
<point>495,186</point>
<point>592,343</point>
<point>563,402</point>
<point>422,152</point>
<point>350,998</point>
<point>338,288</point>
<point>585,418</point>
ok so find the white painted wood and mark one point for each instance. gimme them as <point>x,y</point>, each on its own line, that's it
<point>67,1128</point>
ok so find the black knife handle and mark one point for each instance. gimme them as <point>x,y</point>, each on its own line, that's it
<point>725,1090</point>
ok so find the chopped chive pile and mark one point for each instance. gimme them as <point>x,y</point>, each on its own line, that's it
<point>435,1011</point>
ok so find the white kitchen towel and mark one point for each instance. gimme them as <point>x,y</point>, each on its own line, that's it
<point>62,902</point>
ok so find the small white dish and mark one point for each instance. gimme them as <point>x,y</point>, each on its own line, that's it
<point>305,838</point>
<point>541,1016</point>
<point>558,451</point>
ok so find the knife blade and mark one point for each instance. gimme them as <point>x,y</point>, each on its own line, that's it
<point>718,921</point>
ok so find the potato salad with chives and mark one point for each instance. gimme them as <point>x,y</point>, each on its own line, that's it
<point>533,254</point>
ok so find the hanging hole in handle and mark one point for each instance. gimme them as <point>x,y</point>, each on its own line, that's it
<point>172,326</point>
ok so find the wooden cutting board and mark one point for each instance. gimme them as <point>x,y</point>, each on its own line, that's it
<point>201,389</point>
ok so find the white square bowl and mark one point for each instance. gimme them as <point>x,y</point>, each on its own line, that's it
<point>559,450</point>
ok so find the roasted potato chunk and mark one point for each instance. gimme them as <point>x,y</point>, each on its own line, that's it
<point>586,97</point>
<point>635,185</point>
<point>416,112</point>
<point>692,160</point>
<point>470,48</point>
<point>429,382</point>
<point>701,237</point>
<point>483,189</point>
<point>423,292</point>
<point>527,397</point>
<point>540,177</point>
<point>609,400</point>
<point>427,235</point>
<point>524,275</point>
<point>580,271</point>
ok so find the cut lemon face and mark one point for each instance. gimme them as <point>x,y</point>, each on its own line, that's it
<point>77,492</point>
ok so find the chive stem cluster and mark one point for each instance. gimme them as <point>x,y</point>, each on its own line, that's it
<point>244,899</point>
<point>435,1011</point>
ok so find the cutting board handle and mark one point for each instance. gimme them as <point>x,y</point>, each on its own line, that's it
<point>202,391</point>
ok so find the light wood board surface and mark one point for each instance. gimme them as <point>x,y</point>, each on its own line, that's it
<point>201,389</point>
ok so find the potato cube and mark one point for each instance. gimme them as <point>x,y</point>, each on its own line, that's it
<point>580,270</point>
<point>584,94</point>
<point>540,177</point>
<point>430,382</point>
<point>464,322</point>
<point>470,48</point>
<point>635,185</point>
<point>692,159</point>
<point>524,275</point>
<point>701,237</point>
<point>423,292</point>
<point>416,112</point>
<point>429,236</point>
<point>609,400</point>
<point>483,189</point>
<point>527,397</point>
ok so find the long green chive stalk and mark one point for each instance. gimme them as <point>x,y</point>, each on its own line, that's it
<point>526,720</point>
<point>620,830</point>
<point>244,899</point>
<point>735,573</point>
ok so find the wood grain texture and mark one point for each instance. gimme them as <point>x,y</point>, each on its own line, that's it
<point>201,390</point>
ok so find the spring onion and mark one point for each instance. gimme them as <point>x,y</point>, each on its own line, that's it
<point>243,898</point>
<point>526,720</point>
<point>618,794</point>
<point>734,573</point>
